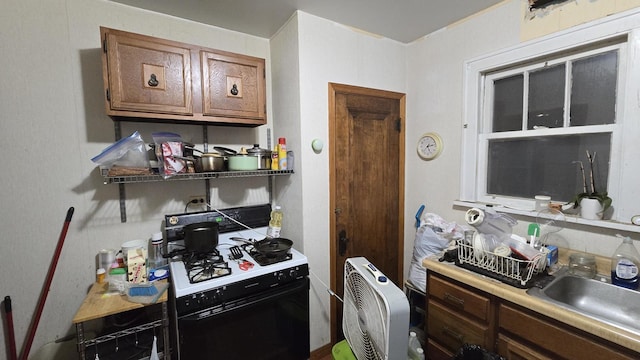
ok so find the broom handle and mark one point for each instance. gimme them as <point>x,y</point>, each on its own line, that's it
<point>45,290</point>
<point>12,337</point>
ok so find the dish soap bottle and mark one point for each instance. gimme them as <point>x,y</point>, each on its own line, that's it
<point>275,223</point>
<point>624,265</point>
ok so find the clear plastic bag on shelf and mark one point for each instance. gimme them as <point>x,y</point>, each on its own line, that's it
<point>128,154</point>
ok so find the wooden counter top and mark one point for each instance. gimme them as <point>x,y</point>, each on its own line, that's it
<point>99,303</point>
<point>520,297</point>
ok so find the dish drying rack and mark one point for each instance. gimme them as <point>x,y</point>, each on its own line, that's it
<point>515,272</point>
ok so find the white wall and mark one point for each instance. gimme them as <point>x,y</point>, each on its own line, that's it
<point>53,122</point>
<point>324,52</point>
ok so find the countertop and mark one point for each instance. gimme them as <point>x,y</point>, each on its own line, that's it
<point>100,303</point>
<point>520,297</point>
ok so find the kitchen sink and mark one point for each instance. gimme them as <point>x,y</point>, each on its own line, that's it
<point>599,300</point>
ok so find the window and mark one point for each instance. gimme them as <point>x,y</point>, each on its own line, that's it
<point>533,111</point>
<point>521,160</point>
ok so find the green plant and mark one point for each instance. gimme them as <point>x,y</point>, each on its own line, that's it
<point>590,192</point>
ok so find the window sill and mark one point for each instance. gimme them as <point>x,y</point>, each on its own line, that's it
<point>569,218</point>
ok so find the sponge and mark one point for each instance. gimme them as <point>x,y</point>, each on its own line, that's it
<point>142,290</point>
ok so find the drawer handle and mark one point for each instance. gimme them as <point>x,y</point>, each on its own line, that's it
<point>453,334</point>
<point>454,300</point>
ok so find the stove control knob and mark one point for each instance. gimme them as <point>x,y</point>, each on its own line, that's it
<point>293,273</point>
<point>281,276</point>
<point>203,299</point>
<point>217,294</point>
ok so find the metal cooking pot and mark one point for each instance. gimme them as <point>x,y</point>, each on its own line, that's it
<point>201,237</point>
<point>239,161</point>
<point>275,247</point>
<point>264,156</point>
<point>210,162</point>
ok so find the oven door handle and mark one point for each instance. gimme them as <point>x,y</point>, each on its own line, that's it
<point>243,303</point>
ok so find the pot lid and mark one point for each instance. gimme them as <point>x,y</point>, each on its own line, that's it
<point>256,150</point>
<point>211,155</point>
<point>225,151</point>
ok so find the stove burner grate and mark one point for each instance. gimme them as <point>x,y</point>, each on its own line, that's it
<point>205,266</point>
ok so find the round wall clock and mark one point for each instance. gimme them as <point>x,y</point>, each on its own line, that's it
<point>430,146</point>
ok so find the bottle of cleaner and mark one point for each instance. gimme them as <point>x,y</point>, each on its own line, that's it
<point>275,164</point>
<point>275,223</point>
<point>624,265</point>
<point>282,153</point>
<point>156,260</point>
<point>415,348</point>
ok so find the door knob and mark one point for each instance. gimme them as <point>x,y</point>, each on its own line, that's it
<point>342,242</point>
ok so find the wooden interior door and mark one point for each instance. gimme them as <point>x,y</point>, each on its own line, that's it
<point>367,184</point>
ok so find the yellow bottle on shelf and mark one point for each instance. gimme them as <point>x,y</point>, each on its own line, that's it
<point>282,153</point>
<point>274,159</point>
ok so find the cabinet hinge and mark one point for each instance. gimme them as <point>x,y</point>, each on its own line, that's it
<point>104,45</point>
<point>108,96</point>
<point>398,125</point>
<point>264,73</point>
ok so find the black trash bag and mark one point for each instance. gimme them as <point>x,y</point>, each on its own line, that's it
<point>475,352</point>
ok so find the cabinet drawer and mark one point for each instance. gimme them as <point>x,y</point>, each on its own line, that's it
<point>513,350</point>
<point>459,298</point>
<point>556,338</point>
<point>453,330</point>
<point>436,352</point>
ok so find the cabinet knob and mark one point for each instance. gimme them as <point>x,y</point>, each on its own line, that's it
<point>234,90</point>
<point>153,81</point>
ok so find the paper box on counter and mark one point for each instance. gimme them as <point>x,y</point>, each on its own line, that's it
<point>137,265</point>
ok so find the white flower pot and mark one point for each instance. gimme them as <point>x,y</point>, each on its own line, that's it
<point>590,209</point>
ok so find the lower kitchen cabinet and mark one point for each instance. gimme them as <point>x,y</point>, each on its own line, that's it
<point>459,314</point>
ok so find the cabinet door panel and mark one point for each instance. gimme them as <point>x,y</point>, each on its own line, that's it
<point>453,330</point>
<point>233,85</point>
<point>514,350</point>
<point>148,75</point>
<point>459,298</point>
<point>554,338</point>
<point>437,352</point>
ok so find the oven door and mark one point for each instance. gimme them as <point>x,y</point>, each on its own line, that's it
<point>270,325</point>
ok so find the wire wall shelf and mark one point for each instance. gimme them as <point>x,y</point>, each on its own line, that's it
<point>128,179</point>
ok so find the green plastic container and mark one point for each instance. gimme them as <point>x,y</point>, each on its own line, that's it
<point>342,351</point>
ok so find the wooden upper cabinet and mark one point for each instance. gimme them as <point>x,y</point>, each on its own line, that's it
<point>147,74</point>
<point>233,85</point>
<point>148,78</point>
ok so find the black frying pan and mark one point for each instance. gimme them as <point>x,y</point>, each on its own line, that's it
<point>274,247</point>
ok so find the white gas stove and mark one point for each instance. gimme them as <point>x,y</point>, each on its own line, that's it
<point>228,279</point>
<point>183,286</point>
